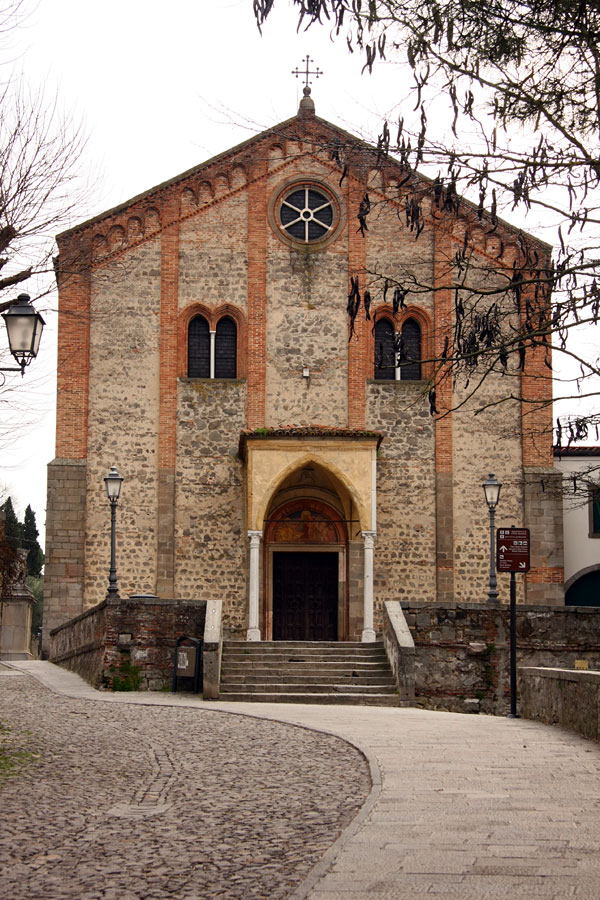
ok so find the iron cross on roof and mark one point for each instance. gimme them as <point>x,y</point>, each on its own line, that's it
<point>307,71</point>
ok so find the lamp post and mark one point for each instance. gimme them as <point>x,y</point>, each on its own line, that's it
<point>113,483</point>
<point>24,327</point>
<point>491,489</point>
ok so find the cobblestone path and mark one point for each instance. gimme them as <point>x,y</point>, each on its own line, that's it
<point>118,802</point>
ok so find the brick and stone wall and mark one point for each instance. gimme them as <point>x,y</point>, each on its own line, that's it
<point>562,697</point>
<point>106,640</point>
<point>208,240</point>
<point>462,649</point>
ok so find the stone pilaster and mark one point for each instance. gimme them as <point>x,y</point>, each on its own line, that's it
<point>65,542</point>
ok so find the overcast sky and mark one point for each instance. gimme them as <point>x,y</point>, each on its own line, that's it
<point>159,88</point>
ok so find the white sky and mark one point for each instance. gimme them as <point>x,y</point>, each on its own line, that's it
<point>160,88</point>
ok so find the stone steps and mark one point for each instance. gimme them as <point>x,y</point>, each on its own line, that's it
<point>357,699</point>
<point>307,672</point>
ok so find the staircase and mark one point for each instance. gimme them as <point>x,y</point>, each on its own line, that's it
<point>308,672</point>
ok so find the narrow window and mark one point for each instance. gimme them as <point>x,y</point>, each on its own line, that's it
<point>198,348</point>
<point>226,348</point>
<point>410,351</point>
<point>384,351</point>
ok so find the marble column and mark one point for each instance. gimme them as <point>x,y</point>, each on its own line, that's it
<point>253,633</point>
<point>368,633</point>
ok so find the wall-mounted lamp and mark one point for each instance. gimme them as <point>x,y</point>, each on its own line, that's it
<point>24,328</point>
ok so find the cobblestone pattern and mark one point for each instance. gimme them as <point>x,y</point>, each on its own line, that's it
<point>136,803</point>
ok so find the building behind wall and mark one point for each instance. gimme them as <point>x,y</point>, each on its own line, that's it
<point>204,350</point>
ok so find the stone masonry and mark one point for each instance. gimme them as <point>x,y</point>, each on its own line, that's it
<point>210,243</point>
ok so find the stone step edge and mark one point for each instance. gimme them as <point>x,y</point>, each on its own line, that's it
<point>333,699</point>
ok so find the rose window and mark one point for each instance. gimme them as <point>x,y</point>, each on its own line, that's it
<point>307,214</point>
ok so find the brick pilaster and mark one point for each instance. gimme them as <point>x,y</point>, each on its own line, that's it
<point>74,289</point>
<point>257,296</point>
<point>358,347</point>
<point>442,311</point>
<point>542,508</point>
<point>167,417</point>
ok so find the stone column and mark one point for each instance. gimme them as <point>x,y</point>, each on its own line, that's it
<point>253,633</point>
<point>368,633</point>
<point>213,335</point>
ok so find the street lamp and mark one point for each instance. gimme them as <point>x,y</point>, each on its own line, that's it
<point>113,483</point>
<point>24,327</point>
<point>491,489</point>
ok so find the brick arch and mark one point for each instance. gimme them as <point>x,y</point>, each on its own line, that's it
<point>385,311</point>
<point>212,316</point>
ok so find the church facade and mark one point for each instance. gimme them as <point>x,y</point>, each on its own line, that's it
<point>275,454</point>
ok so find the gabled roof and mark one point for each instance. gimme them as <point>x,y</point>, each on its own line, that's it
<point>305,120</point>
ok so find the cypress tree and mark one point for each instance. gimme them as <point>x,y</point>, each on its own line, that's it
<point>35,554</point>
<point>13,528</point>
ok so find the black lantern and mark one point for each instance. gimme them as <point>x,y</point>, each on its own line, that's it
<point>24,327</point>
<point>113,483</point>
<point>491,489</point>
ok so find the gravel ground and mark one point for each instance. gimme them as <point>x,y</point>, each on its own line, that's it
<point>118,802</point>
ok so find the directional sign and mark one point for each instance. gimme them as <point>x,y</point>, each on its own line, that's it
<point>512,549</point>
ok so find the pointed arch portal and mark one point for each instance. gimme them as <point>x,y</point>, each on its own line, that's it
<point>311,499</point>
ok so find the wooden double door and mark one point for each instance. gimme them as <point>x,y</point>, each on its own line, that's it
<point>305,596</point>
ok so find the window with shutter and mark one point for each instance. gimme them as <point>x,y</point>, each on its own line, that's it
<point>384,351</point>
<point>198,348</point>
<point>226,348</point>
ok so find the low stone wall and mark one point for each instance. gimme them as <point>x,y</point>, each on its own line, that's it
<point>400,649</point>
<point>129,643</point>
<point>462,649</point>
<point>561,697</point>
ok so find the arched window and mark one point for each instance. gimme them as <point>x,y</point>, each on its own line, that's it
<point>212,354</point>
<point>397,357</point>
<point>226,348</point>
<point>198,348</point>
<point>384,351</point>
<point>410,351</point>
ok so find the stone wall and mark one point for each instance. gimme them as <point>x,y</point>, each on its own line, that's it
<point>210,532</point>
<point>561,697</point>
<point>105,641</point>
<point>306,322</point>
<point>462,649</point>
<point>123,420</point>
<point>65,542</point>
<point>405,546</point>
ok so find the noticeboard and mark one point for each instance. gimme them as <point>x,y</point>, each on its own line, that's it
<point>512,549</point>
<point>186,662</point>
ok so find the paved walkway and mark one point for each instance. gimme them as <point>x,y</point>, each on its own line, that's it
<point>461,806</point>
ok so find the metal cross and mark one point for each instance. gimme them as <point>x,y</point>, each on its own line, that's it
<point>307,71</point>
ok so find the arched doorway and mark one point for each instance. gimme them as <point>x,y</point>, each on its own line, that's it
<point>306,543</point>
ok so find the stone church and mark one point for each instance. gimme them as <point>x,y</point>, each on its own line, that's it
<point>270,454</point>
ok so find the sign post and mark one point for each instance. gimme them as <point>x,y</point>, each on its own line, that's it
<point>512,552</point>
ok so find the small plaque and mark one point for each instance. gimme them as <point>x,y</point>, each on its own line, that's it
<point>581,664</point>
